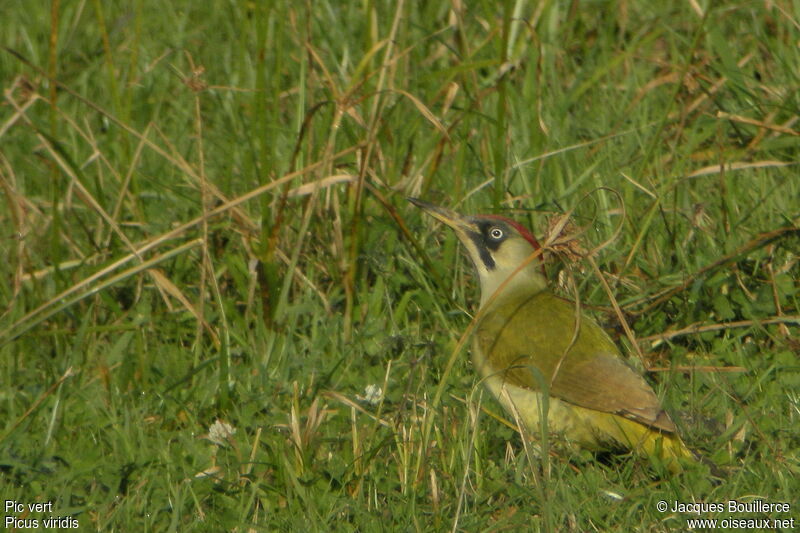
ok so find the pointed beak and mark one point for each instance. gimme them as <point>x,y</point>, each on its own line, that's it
<point>460,223</point>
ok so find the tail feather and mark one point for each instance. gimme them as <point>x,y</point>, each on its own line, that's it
<point>666,447</point>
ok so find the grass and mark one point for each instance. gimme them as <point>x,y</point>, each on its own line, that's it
<point>205,219</point>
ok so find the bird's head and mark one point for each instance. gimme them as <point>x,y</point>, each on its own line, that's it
<point>497,247</point>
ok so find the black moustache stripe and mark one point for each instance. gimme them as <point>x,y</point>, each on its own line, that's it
<point>480,245</point>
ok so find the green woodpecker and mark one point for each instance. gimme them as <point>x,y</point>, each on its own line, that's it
<point>527,336</point>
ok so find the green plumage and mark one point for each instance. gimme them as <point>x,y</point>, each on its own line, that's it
<point>538,330</point>
<point>529,342</point>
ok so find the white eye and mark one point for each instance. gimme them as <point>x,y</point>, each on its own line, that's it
<point>496,233</point>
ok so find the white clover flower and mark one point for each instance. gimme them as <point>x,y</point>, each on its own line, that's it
<point>372,394</point>
<point>220,432</point>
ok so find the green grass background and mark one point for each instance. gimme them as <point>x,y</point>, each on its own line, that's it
<point>204,217</point>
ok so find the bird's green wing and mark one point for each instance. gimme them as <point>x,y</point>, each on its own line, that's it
<point>538,331</point>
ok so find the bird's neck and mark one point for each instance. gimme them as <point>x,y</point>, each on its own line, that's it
<point>509,284</point>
